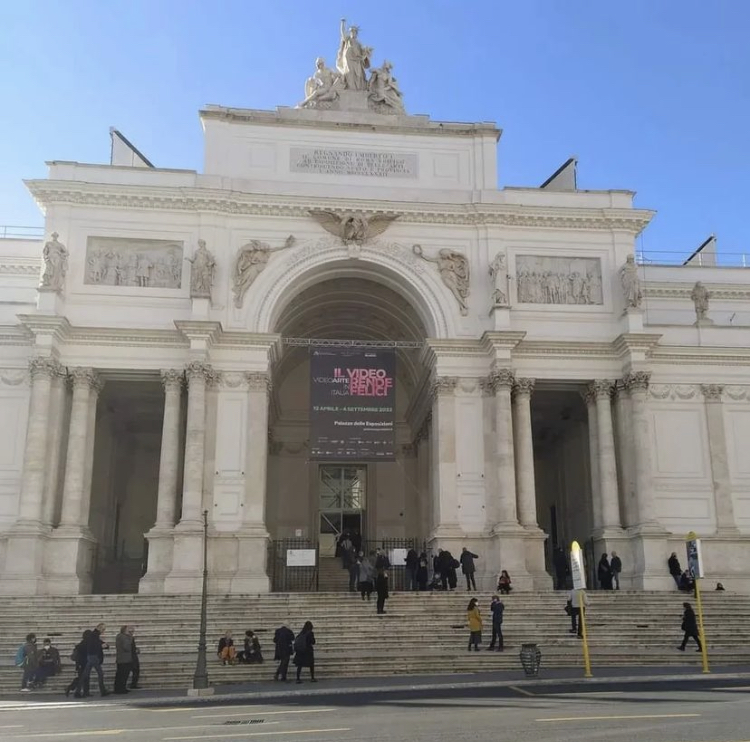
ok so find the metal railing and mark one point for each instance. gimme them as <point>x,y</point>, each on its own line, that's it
<point>672,258</point>
<point>14,232</point>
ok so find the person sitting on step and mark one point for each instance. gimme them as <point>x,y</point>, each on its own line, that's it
<point>251,654</point>
<point>226,652</point>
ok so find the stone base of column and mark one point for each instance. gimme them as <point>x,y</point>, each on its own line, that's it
<point>160,561</point>
<point>252,551</point>
<point>508,552</point>
<point>649,551</point>
<point>186,575</point>
<point>23,572</point>
<point>534,538</point>
<point>69,561</point>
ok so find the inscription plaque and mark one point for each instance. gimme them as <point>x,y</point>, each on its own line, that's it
<point>353,162</point>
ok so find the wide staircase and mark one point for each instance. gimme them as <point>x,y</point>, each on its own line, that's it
<point>422,632</point>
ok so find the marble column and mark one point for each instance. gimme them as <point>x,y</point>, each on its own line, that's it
<point>720,472</point>
<point>596,500</point>
<point>502,381</point>
<point>161,536</point>
<point>56,437</point>
<point>624,453</point>
<point>607,463</point>
<point>524,453</point>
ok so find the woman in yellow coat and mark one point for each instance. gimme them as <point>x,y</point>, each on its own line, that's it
<point>475,624</point>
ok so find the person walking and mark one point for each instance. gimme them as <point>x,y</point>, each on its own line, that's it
<point>95,647</point>
<point>136,665</point>
<point>79,657</point>
<point>604,573</point>
<point>124,660</point>
<point>29,661</point>
<point>422,573</point>
<point>347,551</point>
<point>474,618</point>
<point>381,560</point>
<point>690,628</point>
<point>353,574</point>
<point>615,566</point>
<point>560,564</point>
<point>576,600</point>
<point>381,588</point>
<point>673,563</point>
<point>468,568</point>
<point>304,651</point>
<point>412,565</point>
<point>283,638</point>
<point>366,576</point>
<point>497,609</point>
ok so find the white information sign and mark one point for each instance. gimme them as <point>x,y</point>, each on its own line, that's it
<point>577,570</point>
<point>300,557</point>
<point>326,161</point>
<point>398,557</point>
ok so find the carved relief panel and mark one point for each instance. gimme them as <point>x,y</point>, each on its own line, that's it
<point>564,280</point>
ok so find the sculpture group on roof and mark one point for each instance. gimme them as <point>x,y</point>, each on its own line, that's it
<point>352,63</point>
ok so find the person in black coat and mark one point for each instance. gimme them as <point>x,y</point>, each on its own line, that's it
<point>422,573</point>
<point>304,651</point>
<point>447,568</point>
<point>412,565</point>
<point>604,573</point>
<point>497,609</point>
<point>381,560</point>
<point>689,627</point>
<point>79,658</point>
<point>95,647</point>
<point>283,639</point>
<point>381,588</point>
<point>560,564</point>
<point>674,568</point>
<point>468,568</point>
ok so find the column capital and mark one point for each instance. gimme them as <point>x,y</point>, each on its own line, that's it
<point>501,378</point>
<point>172,379</point>
<point>637,381</point>
<point>523,387</point>
<point>443,385</point>
<point>589,396</point>
<point>621,388</point>
<point>712,392</point>
<point>601,388</point>
<point>50,367</point>
<point>81,376</point>
<point>200,370</point>
<point>258,381</point>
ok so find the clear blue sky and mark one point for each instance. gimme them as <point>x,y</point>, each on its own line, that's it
<point>651,95</point>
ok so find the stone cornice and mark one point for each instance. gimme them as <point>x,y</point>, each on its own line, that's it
<point>679,290</point>
<point>197,200</point>
<point>571,349</point>
<point>19,266</point>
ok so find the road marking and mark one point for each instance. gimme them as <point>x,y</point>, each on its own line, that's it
<point>734,687</point>
<point>261,713</point>
<point>11,726</point>
<point>606,718</point>
<point>115,732</point>
<point>522,691</point>
<point>261,734</point>
<point>589,693</point>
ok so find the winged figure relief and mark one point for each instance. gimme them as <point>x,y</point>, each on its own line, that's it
<point>353,227</point>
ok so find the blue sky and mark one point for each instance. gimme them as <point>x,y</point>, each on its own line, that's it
<point>651,95</point>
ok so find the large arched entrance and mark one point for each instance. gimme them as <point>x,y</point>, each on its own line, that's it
<point>316,500</point>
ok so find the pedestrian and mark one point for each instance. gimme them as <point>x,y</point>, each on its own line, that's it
<point>560,564</point>
<point>503,583</point>
<point>79,656</point>
<point>577,599</point>
<point>251,653</point>
<point>686,583</point>
<point>468,568</point>
<point>604,573</point>
<point>226,651</point>
<point>474,618</point>
<point>356,539</point>
<point>719,587</point>
<point>283,638</point>
<point>95,647</point>
<point>304,651</point>
<point>28,659</point>
<point>366,576</point>
<point>124,659</point>
<point>381,588</point>
<point>690,628</point>
<point>615,566</point>
<point>381,560</point>
<point>674,568</point>
<point>347,551</point>
<point>353,574</point>
<point>136,666</point>
<point>422,573</point>
<point>412,565</point>
<point>48,664</point>
<point>497,609</point>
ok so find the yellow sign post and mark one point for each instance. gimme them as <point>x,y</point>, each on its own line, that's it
<point>579,586</point>
<point>695,566</point>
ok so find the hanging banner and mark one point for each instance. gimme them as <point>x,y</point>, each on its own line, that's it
<point>353,404</point>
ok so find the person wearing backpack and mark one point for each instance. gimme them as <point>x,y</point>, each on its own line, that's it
<point>79,657</point>
<point>304,652</point>
<point>29,661</point>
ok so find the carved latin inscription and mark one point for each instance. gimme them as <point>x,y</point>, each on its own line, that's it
<point>352,162</point>
<point>120,261</point>
<point>543,280</point>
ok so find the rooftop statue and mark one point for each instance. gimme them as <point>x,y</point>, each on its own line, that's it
<point>353,59</point>
<point>322,87</point>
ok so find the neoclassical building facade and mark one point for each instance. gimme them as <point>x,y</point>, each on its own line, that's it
<point>154,360</point>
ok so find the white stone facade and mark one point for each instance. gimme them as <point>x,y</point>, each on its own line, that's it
<point>551,414</point>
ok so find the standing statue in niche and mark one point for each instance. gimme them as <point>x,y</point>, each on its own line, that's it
<point>322,87</point>
<point>631,284</point>
<point>700,296</point>
<point>454,271</point>
<point>499,275</point>
<point>55,258</point>
<point>353,58</point>
<point>251,262</point>
<point>384,90</point>
<point>202,273</point>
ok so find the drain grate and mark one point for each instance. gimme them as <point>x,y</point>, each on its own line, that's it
<point>238,722</point>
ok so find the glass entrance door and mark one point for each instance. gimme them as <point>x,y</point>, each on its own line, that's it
<point>341,504</point>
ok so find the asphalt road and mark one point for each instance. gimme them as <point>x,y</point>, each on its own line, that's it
<point>712,711</point>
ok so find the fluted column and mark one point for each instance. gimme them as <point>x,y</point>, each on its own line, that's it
<point>524,452</point>
<point>501,381</point>
<point>199,375</point>
<point>610,502</point>
<point>637,385</point>
<point>75,503</point>
<point>31,503</point>
<point>624,454</point>
<point>169,460</point>
<point>720,472</point>
<point>596,501</point>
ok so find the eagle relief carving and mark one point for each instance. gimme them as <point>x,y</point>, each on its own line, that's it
<point>354,229</point>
